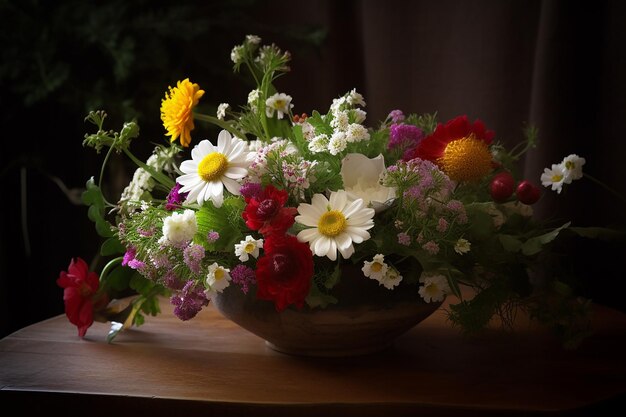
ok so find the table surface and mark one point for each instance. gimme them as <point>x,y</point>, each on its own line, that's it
<point>209,365</point>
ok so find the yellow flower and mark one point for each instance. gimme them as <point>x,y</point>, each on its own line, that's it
<point>177,110</point>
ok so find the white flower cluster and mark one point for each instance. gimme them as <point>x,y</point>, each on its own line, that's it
<point>346,122</point>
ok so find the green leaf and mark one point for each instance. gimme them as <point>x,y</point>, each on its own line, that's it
<point>317,298</point>
<point>601,233</point>
<point>92,196</point>
<point>534,245</point>
<point>103,228</point>
<point>320,126</point>
<point>510,243</point>
<point>334,278</point>
<point>119,278</point>
<point>111,246</point>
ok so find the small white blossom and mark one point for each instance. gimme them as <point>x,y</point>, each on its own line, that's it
<point>375,269</point>
<point>357,133</point>
<point>221,110</point>
<point>179,228</point>
<point>340,121</point>
<point>337,104</point>
<point>247,247</point>
<point>279,103</point>
<point>253,39</point>
<point>573,165</point>
<point>462,246</point>
<point>434,287</point>
<point>217,279</point>
<point>392,279</point>
<point>554,177</point>
<point>319,143</point>
<point>358,115</point>
<point>355,99</point>
<point>253,99</point>
<point>337,143</point>
<point>236,55</point>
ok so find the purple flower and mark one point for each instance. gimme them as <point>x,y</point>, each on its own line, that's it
<point>172,281</point>
<point>189,301</point>
<point>250,190</point>
<point>174,198</point>
<point>396,116</point>
<point>404,136</point>
<point>404,239</point>
<point>130,254</point>
<point>243,276</point>
<point>212,236</point>
<point>192,255</point>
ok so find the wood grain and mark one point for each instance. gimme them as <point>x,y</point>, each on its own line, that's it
<point>209,365</point>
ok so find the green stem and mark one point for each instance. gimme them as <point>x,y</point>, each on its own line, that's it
<point>217,122</point>
<point>106,159</point>
<point>110,265</point>
<point>606,187</point>
<point>159,176</point>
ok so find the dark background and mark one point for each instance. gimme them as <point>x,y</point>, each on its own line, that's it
<point>559,65</point>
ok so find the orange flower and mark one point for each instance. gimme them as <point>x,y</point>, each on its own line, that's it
<point>177,110</point>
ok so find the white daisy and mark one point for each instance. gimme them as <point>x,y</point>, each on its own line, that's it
<point>211,168</point>
<point>217,279</point>
<point>554,177</point>
<point>573,165</point>
<point>319,143</point>
<point>247,247</point>
<point>279,103</point>
<point>337,143</point>
<point>376,269</point>
<point>357,133</point>
<point>179,228</point>
<point>434,287</point>
<point>334,224</point>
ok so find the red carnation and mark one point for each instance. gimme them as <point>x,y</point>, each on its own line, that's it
<point>433,146</point>
<point>79,294</point>
<point>266,213</point>
<point>284,272</point>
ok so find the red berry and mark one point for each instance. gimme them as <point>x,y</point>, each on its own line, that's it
<point>502,187</point>
<point>527,192</point>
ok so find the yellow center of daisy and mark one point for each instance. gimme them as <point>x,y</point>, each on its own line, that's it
<point>249,248</point>
<point>332,223</point>
<point>279,104</point>
<point>212,166</point>
<point>569,165</point>
<point>557,178</point>
<point>466,159</point>
<point>219,274</point>
<point>376,267</point>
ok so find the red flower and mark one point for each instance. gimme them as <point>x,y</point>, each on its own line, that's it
<point>266,212</point>
<point>284,273</point>
<point>459,147</point>
<point>79,290</point>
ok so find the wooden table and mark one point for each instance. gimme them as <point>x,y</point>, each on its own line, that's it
<point>211,367</point>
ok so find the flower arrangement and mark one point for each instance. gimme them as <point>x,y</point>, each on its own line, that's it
<point>278,201</point>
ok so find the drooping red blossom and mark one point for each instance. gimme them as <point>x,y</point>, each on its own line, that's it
<point>433,146</point>
<point>80,287</point>
<point>266,212</point>
<point>283,273</point>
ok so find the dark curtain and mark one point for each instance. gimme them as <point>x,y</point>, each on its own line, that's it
<point>558,65</point>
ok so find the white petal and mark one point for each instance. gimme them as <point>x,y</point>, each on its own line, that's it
<point>308,235</point>
<point>356,234</point>
<point>202,149</point>
<point>322,246</point>
<point>214,189</point>
<point>353,208</point>
<point>235,173</point>
<point>224,142</point>
<point>237,151</point>
<point>332,252</point>
<point>320,201</point>
<point>356,166</point>
<point>189,167</point>
<point>310,211</point>
<point>307,220</point>
<point>338,200</point>
<point>232,186</point>
<point>347,252</point>
<point>189,180</point>
<point>343,241</point>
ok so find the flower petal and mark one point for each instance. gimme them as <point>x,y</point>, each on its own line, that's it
<point>224,140</point>
<point>231,185</point>
<point>322,246</point>
<point>307,235</point>
<point>338,200</point>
